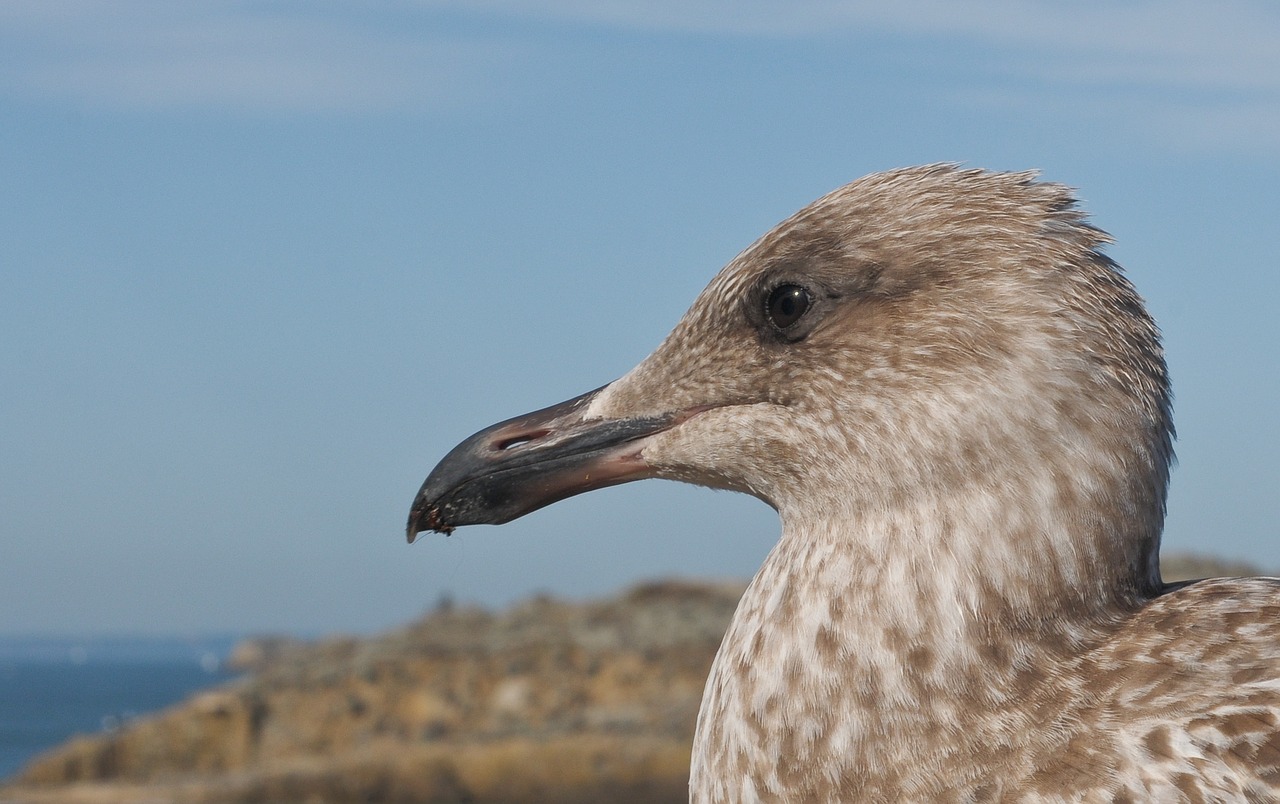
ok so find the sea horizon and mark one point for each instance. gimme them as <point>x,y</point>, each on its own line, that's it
<point>54,687</point>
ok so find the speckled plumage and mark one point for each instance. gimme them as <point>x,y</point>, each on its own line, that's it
<point>967,437</point>
<point>969,453</point>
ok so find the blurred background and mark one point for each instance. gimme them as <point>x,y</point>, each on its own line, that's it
<point>265,262</point>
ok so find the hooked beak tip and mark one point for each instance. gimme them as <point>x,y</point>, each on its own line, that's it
<point>425,518</point>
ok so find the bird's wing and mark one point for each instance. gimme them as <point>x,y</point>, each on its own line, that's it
<point>1181,704</point>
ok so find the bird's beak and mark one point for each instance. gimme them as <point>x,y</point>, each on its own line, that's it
<point>522,464</point>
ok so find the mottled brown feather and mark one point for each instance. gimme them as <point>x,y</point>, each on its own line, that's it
<point>968,441</point>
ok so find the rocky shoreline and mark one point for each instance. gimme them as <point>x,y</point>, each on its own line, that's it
<point>548,701</point>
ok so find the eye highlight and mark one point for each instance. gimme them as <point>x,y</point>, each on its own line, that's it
<point>786,305</point>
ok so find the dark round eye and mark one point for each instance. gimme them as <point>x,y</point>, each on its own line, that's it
<point>786,304</point>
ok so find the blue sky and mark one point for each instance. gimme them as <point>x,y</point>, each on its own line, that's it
<point>264,263</point>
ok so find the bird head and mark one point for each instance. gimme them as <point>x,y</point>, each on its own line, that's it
<point>926,333</point>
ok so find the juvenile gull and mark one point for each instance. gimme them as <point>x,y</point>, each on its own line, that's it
<point>959,408</point>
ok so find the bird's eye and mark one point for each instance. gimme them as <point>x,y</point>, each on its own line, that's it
<point>786,305</point>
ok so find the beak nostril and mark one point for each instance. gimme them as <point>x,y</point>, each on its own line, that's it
<point>515,441</point>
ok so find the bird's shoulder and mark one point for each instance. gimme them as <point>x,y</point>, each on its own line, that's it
<point>1187,693</point>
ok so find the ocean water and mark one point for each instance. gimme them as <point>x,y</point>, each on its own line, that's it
<point>51,689</point>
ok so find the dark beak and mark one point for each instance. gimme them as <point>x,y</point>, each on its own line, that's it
<point>520,465</point>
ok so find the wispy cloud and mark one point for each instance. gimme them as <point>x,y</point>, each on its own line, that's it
<point>149,53</point>
<point>1229,44</point>
<point>1204,72</point>
<point>1188,74</point>
<point>1181,73</point>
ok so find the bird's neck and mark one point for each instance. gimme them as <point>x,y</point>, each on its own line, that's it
<point>863,636</point>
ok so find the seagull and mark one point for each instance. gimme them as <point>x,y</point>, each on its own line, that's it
<point>959,407</point>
